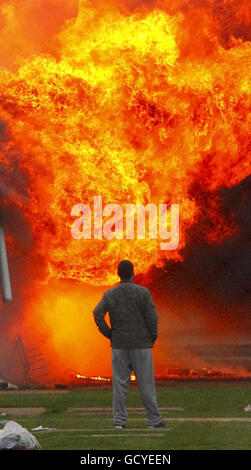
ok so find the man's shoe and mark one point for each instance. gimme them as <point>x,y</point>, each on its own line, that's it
<point>161,425</point>
<point>119,426</point>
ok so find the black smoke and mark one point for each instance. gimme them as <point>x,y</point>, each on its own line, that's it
<point>204,301</point>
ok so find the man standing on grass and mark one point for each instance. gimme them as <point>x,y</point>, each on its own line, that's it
<point>134,329</point>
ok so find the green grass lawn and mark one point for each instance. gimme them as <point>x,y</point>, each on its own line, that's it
<point>83,431</point>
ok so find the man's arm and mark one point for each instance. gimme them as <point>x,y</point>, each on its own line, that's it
<point>151,316</point>
<point>99,316</point>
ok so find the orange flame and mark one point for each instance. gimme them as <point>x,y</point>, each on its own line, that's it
<point>131,105</point>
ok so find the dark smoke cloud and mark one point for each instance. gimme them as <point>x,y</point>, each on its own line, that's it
<point>13,190</point>
<point>13,181</point>
<point>224,270</point>
<point>204,301</point>
<point>221,271</point>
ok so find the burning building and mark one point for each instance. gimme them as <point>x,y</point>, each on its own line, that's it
<point>140,102</point>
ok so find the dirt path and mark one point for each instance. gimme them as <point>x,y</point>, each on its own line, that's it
<point>27,412</point>
<point>201,419</point>
<point>31,392</point>
<point>89,410</point>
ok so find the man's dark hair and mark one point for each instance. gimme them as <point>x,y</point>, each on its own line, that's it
<point>125,269</point>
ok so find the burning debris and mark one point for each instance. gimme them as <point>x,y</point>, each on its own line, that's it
<point>100,379</point>
<point>74,379</point>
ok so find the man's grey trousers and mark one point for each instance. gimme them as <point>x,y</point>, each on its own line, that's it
<point>124,361</point>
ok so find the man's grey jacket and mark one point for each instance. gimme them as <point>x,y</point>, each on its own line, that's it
<point>133,317</point>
